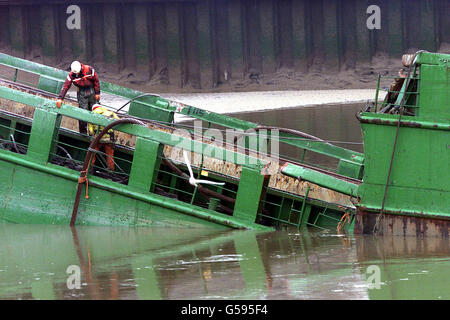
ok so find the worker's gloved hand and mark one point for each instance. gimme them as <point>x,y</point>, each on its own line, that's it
<point>97,97</point>
<point>59,103</point>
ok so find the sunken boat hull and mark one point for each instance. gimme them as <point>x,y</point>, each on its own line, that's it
<point>41,143</point>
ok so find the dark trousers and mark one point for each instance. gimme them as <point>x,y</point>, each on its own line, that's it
<point>86,99</point>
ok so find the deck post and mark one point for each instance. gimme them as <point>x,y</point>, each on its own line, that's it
<point>285,209</point>
<point>305,211</point>
<point>43,134</point>
<point>146,162</point>
<point>250,193</point>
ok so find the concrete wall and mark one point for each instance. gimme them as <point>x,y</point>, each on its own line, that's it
<point>208,43</point>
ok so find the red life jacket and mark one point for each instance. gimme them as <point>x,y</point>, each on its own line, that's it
<point>86,78</point>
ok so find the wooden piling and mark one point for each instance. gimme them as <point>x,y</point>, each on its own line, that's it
<point>205,44</point>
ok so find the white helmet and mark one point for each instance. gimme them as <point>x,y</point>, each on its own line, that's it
<point>75,67</point>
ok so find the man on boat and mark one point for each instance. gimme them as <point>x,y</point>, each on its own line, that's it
<point>107,141</point>
<point>86,80</point>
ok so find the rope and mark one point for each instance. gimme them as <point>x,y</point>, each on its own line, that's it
<point>82,179</point>
<point>344,219</point>
<point>381,214</point>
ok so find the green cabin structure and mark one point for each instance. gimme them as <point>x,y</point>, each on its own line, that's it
<point>405,187</point>
<point>406,181</point>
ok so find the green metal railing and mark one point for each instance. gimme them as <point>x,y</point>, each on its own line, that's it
<point>399,95</point>
<point>12,138</point>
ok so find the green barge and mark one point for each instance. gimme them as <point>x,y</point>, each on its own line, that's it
<point>42,157</point>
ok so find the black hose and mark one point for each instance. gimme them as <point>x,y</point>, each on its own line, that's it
<point>135,98</point>
<point>285,130</point>
<point>66,152</point>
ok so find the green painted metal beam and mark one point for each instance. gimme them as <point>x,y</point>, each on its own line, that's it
<point>433,58</point>
<point>306,211</point>
<point>43,133</point>
<point>249,194</point>
<point>392,120</point>
<point>60,75</point>
<point>146,161</point>
<point>285,209</point>
<point>320,179</point>
<point>315,146</point>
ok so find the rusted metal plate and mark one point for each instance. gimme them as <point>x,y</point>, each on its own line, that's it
<point>400,225</point>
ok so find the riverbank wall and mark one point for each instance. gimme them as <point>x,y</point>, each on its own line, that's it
<point>227,45</point>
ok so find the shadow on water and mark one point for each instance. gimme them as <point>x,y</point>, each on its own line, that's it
<point>38,262</point>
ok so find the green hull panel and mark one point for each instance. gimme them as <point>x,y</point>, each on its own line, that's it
<point>420,170</point>
<point>35,197</point>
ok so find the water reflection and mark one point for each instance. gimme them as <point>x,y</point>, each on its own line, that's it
<point>410,267</point>
<point>165,263</point>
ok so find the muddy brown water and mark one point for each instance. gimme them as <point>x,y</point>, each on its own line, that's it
<point>57,262</point>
